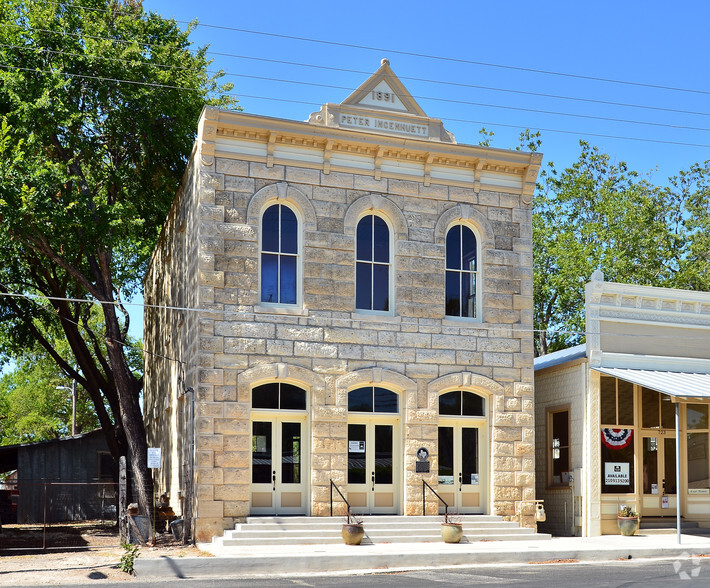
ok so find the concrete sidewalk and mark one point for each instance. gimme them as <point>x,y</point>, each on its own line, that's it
<point>317,559</point>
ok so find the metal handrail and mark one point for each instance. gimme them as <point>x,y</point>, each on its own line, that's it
<point>332,485</point>
<point>425,485</point>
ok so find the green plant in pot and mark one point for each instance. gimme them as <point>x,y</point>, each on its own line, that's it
<point>628,521</point>
<point>451,528</point>
<point>352,531</point>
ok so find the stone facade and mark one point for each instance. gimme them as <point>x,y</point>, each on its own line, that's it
<point>210,340</point>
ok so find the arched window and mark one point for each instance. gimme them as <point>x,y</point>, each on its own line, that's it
<point>460,403</point>
<point>279,255</point>
<point>461,272</point>
<point>372,274</point>
<point>372,399</point>
<point>276,395</point>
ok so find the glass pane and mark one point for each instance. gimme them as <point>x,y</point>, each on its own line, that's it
<point>469,454</point>
<point>453,248</point>
<point>261,453</point>
<point>667,412</point>
<point>450,403</point>
<point>608,400</point>
<point>669,461</point>
<point>469,249</point>
<point>626,403</point>
<point>473,405</point>
<point>383,454</point>
<point>270,229</point>
<point>265,396</point>
<point>472,294</point>
<point>698,472</point>
<point>289,231</point>
<point>269,277</point>
<point>697,416</point>
<point>385,400</point>
<point>382,241</point>
<point>356,454</point>
<point>453,294</point>
<point>381,289</point>
<point>292,397</point>
<point>363,286</point>
<point>364,239</point>
<point>618,459</point>
<point>288,279</point>
<point>360,400</point>
<point>560,427</point>
<point>446,455</point>
<point>291,453</point>
<point>649,408</point>
<point>650,465</point>
<point>467,296</point>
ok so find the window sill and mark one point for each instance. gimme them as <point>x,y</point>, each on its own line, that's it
<point>452,321</point>
<point>375,317</point>
<point>280,309</point>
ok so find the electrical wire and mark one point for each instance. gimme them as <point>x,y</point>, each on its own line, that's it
<point>237,96</point>
<point>316,319</point>
<point>409,53</point>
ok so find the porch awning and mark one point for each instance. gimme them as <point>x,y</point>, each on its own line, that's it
<point>678,384</point>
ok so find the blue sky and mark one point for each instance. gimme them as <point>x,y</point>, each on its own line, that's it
<point>646,43</point>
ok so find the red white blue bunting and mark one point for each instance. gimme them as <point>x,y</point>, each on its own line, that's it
<point>617,438</point>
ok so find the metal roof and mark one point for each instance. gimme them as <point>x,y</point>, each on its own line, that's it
<point>680,384</point>
<point>560,357</point>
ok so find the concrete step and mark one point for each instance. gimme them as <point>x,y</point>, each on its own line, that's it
<point>378,530</point>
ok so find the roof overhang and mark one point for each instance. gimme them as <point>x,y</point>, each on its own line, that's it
<point>682,386</point>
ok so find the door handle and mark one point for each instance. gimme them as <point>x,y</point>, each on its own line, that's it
<point>373,481</point>
<point>273,480</point>
<point>460,480</point>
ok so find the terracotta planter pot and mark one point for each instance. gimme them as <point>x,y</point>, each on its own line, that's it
<point>628,525</point>
<point>352,533</point>
<point>451,532</point>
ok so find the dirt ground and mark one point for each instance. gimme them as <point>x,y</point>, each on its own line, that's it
<point>75,554</point>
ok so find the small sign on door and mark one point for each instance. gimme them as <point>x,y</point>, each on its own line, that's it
<point>356,446</point>
<point>664,502</point>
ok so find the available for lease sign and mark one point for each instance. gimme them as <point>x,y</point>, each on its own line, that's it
<point>616,474</point>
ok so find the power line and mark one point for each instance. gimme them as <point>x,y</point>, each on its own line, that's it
<point>414,54</point>
<point>237,96</point>
<point>241,313</point>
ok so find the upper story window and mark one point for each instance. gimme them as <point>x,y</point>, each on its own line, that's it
<point>373,263</point>
<point>373,399</point>
<point>461,403</point>
<point>279,255</point>
<point>461,272</point>
<point>279,396</point>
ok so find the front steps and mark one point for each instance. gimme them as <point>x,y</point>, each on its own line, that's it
<point>378,529</point>
<point>667,526</point>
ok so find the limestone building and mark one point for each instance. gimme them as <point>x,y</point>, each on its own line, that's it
<point>327,298</point>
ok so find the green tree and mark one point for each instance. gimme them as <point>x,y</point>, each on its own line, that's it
<point>599,214</point>
<point>99,103</point>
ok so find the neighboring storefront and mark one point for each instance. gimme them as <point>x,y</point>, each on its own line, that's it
<point>343,300</point>
<point>606,412</point>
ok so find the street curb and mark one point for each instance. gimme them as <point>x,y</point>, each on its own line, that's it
<point>314,563</point>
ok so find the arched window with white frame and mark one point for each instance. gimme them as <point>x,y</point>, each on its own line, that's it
<point>462,273</point>
<point>373,264</point>
<point>280,259</point>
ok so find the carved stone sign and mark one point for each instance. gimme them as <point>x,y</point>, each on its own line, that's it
<point>383,124</point>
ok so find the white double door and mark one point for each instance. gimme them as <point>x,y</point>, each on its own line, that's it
<point>463,465</point>
<point>279,464</point>
<point>374,463</point>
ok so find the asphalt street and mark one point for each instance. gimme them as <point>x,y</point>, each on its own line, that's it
<point>664,573</point>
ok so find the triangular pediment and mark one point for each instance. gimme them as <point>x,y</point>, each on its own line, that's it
<point>383,90</point>
<point>382,105</point>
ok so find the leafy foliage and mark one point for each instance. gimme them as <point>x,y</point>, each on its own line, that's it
<point>598,214</point>
<point>99,103</point>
